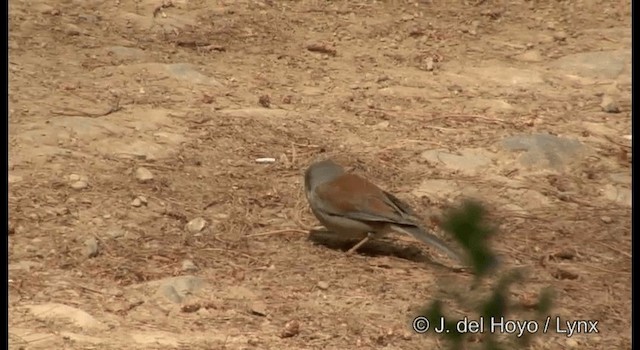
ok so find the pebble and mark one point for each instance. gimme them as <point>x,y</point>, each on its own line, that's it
<point>323,285</point>
<point>291,329</point>
<point>428,64</point>
<point>382,125</point>
<point>196,225</point>
<point>62,211</point>
<point>143,175</point>
<point>606,219</point>
<point>258,308</point>
<point>91,247</point>
<point>189,266</point>
<point>560,36</point>
<point>139,201</point>
<point>530,56</point>
<point>74,177</point>
<point>79,185</point>
<point>609,105</point>
<point>116,233</point>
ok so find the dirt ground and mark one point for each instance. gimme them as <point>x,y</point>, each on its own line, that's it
<point>196,91</point>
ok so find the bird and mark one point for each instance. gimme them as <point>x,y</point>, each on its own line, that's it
<point>351,205</point>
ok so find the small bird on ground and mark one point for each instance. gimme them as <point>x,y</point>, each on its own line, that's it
<point>350,205</point>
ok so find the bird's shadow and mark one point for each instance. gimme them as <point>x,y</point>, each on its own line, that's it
<point>375,247</point>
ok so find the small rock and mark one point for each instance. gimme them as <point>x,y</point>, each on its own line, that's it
<point>62,211</point>
<point>428,64</point>
<point>609,105</point>
<point>72,30</point>
<point>264,101</point>
<point>382,78</point>
<point>406,335</point>
<point>291,329</point>
<point>143,175</point>
<point>74,177</point>
<point>170,292</point>
<point>473,29</point>
<point>545,151</point>
<point>189,266</point>
<point>382,125</point>
<point>79,185</point>
<point>606,219</point>
<point>258,308</point>
<point>177,289</point>
<point>221,216</point>
<point>196,225</point>
<point>191,307</point>
<point>287,99</point>
<point>560,36</point>
<point>530,56</point>
<point>406,17</point>
<point>139,201</point>
<point>116,233</point>
<point>91,247</point>
<point>323,285</point>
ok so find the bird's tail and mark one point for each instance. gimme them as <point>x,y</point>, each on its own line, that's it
<point>428,238</point>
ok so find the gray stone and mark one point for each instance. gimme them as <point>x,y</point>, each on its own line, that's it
<point>88,128</point>
<point>143,175</point>
<point>600,64</point>
<point>609,105</point>
<point>544,150</point>
<point>323,285</point>
<point>623,178</point>
<point>189,266</point>
<point>508,76</point>
<point>560,36</point>
<point>176,289</point>
<point>92,249</point>
<point>170,292</point>
<point>196,225</point>
<point>189,72</point>
<point>530,56</point>
<point>79,185</point>
<point>617,194</point>
<point>136,202</point>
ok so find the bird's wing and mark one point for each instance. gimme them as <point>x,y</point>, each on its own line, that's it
<point>402,208</point>
<point>365,201</point>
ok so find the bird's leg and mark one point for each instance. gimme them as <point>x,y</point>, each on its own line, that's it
<point>359,244</point>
